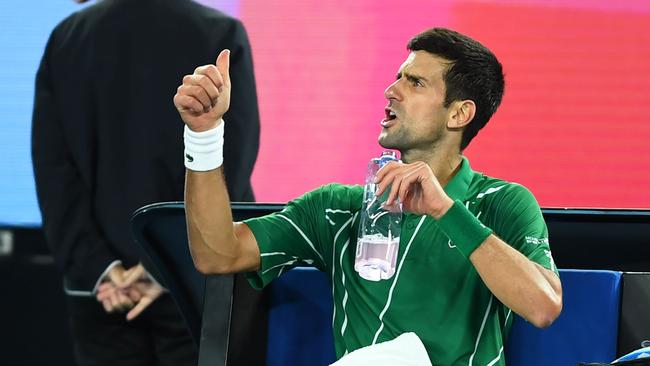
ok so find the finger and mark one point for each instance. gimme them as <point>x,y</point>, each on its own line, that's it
<point>208,86</point>
<point>134,294</point>
<point>387,178</point>
<point>188,103</point>
<point>384,176</point>
<point>133,274</point>
<point>398,183</point>
<point>394,189</point>
<point>104,294</point>
<point>139,308</point>
<point>105,286</point>
<point>223,65</point>
<point>197,91</point>
<point>119,301</point>
<point>390,166</point>
<point>212,80</point>
<point>212,72</point>
<point>125,301</point>
<point>115,275</point>
<point>205,83</point>
<point>113,302</point>
<point>107,306</point>
<point>410,178</point>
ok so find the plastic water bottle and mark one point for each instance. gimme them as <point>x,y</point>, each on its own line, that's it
<point>379,228</point>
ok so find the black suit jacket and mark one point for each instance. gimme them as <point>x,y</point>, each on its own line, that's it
<point>106,137</point>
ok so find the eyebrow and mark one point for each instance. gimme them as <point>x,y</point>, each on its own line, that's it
<point>412,77</point>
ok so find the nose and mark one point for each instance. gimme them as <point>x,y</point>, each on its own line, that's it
<point>392,91</point>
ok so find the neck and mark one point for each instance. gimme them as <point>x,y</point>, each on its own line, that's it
<point>443,163</point>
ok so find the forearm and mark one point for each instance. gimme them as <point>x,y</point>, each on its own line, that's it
<point>212,240</point>
<point>522,285</point>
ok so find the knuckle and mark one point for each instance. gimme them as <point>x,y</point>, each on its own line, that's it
<point>196,90</point>
<point>202,79</point>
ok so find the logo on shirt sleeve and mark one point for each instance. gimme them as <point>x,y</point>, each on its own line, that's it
<point>536,241</point>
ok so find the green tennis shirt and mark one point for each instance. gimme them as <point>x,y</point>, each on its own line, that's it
<point>435,291</point>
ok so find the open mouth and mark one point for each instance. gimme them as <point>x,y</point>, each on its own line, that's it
<point>388,118</point>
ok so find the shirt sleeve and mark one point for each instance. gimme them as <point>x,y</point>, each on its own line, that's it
<point>288,239</point>
<point>520,223</point>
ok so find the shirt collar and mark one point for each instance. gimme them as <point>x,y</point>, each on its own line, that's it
<point>459,184</point>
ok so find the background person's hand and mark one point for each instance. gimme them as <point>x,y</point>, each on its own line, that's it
<point>147,292</point>
<point>128,289</point>
<point>113,298</point>
<point>204,97</point>
<point>133,274</point>
<point>109,293</point>
<point>415,186</point>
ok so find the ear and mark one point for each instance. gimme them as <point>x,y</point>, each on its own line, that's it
<point>461,113</point>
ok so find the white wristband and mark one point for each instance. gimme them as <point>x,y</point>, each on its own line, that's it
<point>204,150</point>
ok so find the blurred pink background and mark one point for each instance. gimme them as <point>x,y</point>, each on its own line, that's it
<point>572,127</point>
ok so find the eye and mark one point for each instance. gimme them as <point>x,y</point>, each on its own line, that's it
<point>416,82</point>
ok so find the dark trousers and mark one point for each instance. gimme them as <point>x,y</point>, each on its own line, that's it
<point>158,336</point>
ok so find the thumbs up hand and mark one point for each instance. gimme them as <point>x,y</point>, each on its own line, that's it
<point>204,96</point>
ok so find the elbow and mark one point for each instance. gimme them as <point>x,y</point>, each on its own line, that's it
<point>207,268</point>
<point>210,266</point>
<point>203,267</point>
<point>546,312</point>
<point>208,260</point>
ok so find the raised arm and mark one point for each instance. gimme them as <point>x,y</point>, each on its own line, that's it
<point>217,244</point>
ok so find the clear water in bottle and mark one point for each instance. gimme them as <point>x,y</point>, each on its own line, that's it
<point>379,228</point>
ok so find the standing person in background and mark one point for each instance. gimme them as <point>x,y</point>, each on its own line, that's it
<point>105,141</point>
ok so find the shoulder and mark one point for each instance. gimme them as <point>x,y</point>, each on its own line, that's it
<point>333,196</point>
<point>205,16</point>
<point>82,24</point>
<point>500,195</point>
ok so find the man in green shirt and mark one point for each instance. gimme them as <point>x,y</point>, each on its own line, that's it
<point>473,249</point>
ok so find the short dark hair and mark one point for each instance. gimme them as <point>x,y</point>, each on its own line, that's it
<point>474,73</point>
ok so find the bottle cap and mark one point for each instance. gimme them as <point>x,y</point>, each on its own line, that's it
<point>386,157</point>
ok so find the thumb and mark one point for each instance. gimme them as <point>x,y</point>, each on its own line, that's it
<point>223,65</point>
<point>115,275</point>
<point>132,275</point>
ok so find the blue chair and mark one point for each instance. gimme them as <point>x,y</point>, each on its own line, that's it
<point>300,316</point>
<point>300,319</point>
<point>586,331</point>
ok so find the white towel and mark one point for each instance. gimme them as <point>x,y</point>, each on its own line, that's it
<point>405,350</point>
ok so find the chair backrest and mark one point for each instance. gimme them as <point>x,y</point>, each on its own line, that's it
<point>586,331</point>
<point>161,231</point>
<point>300,316</point>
